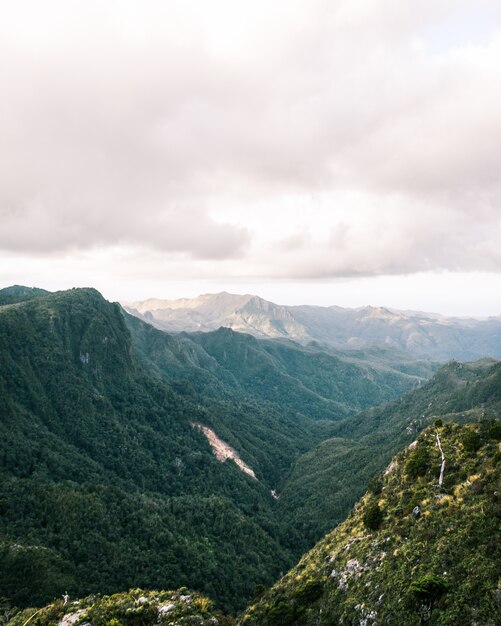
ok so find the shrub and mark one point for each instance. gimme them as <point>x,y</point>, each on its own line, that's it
<point>281,614</point>
<point>310,591</point>
<point>373,517</point>
<point>418,463</point>
<point>426,592</point>
<point>471,441</point>
<point>495,431</point>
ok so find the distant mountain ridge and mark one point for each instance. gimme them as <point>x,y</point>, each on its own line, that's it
<point>243,313</point>
<point>20,293</point>
<point>425,335</point>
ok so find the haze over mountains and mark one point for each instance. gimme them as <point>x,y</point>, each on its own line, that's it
<point>425,335</point>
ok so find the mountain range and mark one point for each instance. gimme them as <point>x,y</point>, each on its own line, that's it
<point>425,335</point>
<point>135,457</point>
<point>422,544</point>
<point>101,446</point>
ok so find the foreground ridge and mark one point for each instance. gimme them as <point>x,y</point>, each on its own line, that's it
<point>411,551</point>
<point>137,606</point>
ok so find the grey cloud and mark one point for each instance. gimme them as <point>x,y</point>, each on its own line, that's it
<point>40,229</point>
<point>111,135</point>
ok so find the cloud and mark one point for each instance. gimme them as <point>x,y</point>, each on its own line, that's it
<point>276,139</point>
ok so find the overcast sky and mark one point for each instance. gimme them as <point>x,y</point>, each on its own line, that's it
<point>332,152</point>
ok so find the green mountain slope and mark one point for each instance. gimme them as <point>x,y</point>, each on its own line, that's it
<point>272,400</point>
<point>326,481</point>
<point>320,382</point>
<point>104,483</point>
<point>19,293</point>
<point>410,547</point>
<point>317,381</point>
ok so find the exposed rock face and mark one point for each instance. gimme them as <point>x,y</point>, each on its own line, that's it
<point>224,451</point>
<point>244,313</point>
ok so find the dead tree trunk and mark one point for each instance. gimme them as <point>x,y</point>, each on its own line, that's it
<point>442,467</point>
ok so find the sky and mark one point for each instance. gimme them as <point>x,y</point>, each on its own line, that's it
<point>312,152</point>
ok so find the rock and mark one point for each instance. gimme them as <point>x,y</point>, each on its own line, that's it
<point>352,566</point>
<point>391,468</point>
<point>71,618</point>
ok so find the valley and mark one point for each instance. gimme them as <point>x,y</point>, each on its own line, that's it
<point>136,458</point>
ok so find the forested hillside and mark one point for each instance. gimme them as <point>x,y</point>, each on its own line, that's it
<point>105,483</point>
<point>326,481</point>
<point>108,482</point>
<point>273,399</point>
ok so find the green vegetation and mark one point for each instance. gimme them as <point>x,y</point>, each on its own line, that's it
<point>318,382</point>
<point>18,293</point>
<point>105,485</point>
<point>325,482</point>
<point>272,400</point>
<point>373,516</point>
<point>135,608</point>
<point>442,563</point>
<point>418,463</point>
<point>426,591</point>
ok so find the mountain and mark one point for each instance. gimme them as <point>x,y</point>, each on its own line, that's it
<point>422,545</point>
<point>19,293</point>
<point>321,383</point>
<point>113,436</point>
<point>105,484</point>
<point>424,335</point>
<point>245,313</point>
<point>130,457</point>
